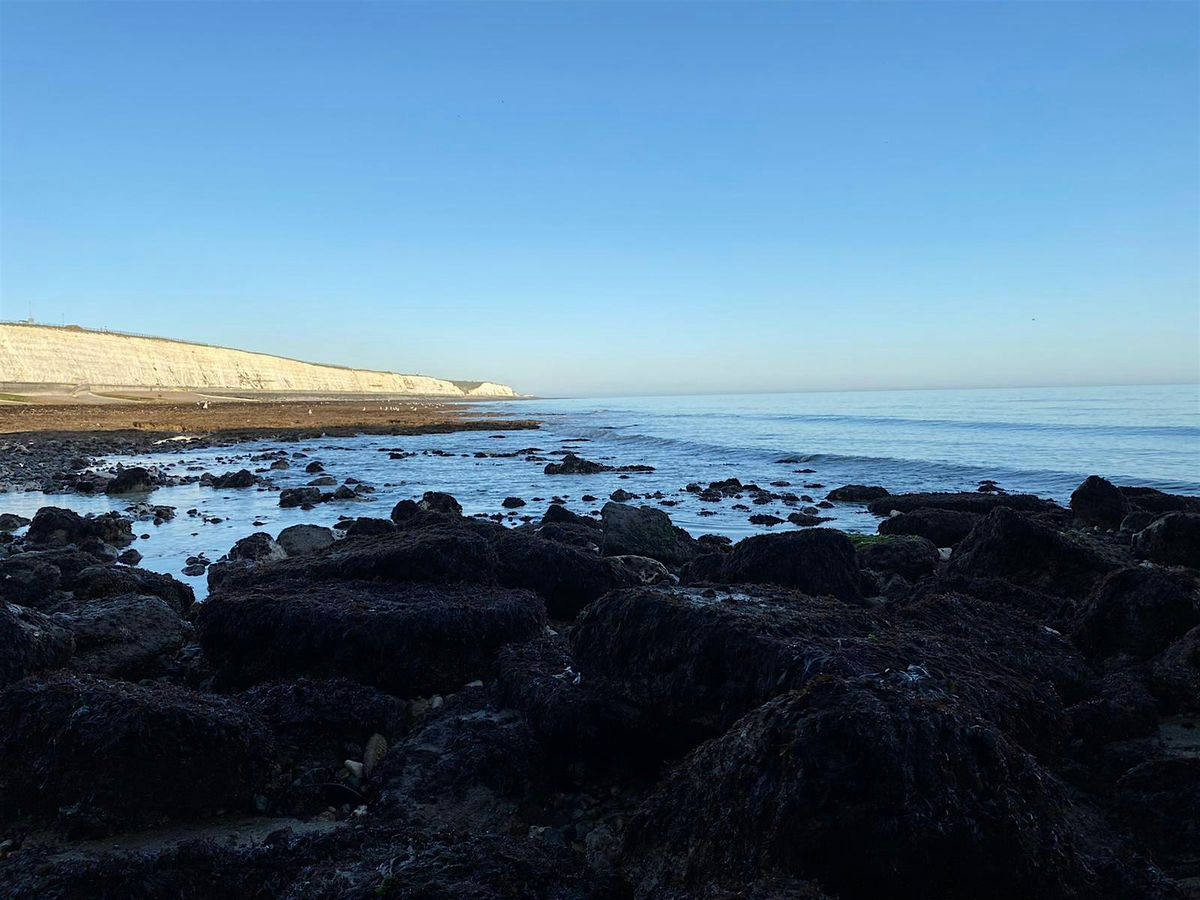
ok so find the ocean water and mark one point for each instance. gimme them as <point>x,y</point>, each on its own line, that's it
<point>1043,441</point>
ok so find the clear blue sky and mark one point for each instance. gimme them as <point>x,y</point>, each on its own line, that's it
<point>598,198</point>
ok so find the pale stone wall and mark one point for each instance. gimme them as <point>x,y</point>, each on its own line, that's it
<point>45,354</point>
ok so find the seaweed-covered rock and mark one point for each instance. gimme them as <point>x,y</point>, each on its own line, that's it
<point>571,464</point>
<point>567,578</point>
<point>90,750</point>
<point>53,526</point>
<point>1171,540</point>
<point>30,642</point>
<point>1005,544</point>
<point>96,582</point>
<point>817,561</point>
<point>644,531</point>
<point>1155,501</point>
<point>1175,674</point>
<point>1138,612</point>
<point>1099,502</point>
<point>29,579</point>
<point>407,640</point>
<point>943,527</point>
<point>971,502</point>
<point>575,718</point>
<point>556,513</point>
<point>908,556</point>
<point>438,502</point>
<point>130,636</point>
<point>873,787</point>
<point>318,717</point>
<point>857,492</point>
<point>463,767</point>
<point>355,862</point>
<point>434,553</point>
<point>1118,708</point>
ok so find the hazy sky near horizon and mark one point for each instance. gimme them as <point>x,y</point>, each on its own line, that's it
<point>605,198</point>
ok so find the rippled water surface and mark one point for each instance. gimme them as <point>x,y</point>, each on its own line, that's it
<point>1043,441</point>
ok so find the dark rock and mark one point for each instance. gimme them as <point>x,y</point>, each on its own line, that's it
<point>317,718</point>
<point>644,531</point>
<point>872,787</point>
<point>97,582</point>
<point>807,520</point>
<point>944,527</point>
<point>314,467</point>
<point>56,527</point>
<point>1099,502</point>
<point>765,519</point>
<point>972,502</point>
<point>30,642</point>
<point>86,748</point>
<point>620,495</point>
<point>1172,540</point>
<point>512,503</point>
<point>128,637</point>
<point>344,492</point>
<point>1119,708</point>
<point>635,571</point>
<point>1005,544</point>
<point>908,556</point>
<point>243,478</point>
<point>1136,521</point>
<point>565,577</point>
<point>134,480</point>
<point>299,496</point>
<point>860,492</point>
<point>257,547</point>
<point>29,580</point>
<point>571,464</point>
<point>12,522</point>
<point>367,526</point>
<point>1158,799</point>
<point>557,513</point>
<point>1151,500</point>
<point>1175,674</point>
<point>436,501</point>
<point>299,540</point>
<point>819,561</point>
<point>410,641</point>
<point>1138,612</point>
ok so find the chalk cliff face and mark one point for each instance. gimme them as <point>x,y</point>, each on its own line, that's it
<point>45,354</point>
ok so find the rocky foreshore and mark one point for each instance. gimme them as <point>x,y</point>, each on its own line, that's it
<point>995,696</point>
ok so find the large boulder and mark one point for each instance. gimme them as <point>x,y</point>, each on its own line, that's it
<point>644,531</point>
<point>816,561</point>
<point>1171,540</point>
<point>873,787</point>
<point>1005,544</point>
<point>1155,501</point>
<point>407,640</point>
<point>30,642</point>
<point>97,753</point>
<point>128,637</point>
<point>53,526</point>
<point>1099,502</point>
<point>1138,612</point>
<point>289,498</point>
<point>1175,674</point>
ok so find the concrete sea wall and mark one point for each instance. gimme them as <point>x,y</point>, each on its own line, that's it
<point>101,360</point>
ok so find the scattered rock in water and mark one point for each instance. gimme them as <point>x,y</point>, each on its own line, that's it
<point>857,492</point>
<point>134,480</point>
<point>243,478</point>
<point>299,496</point>
<point>56,527</point>
<point>512,503</point>
<point>571,464</point>
<point>11,522</point>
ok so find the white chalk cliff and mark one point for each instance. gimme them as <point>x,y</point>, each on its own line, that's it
<point>102,360</point>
